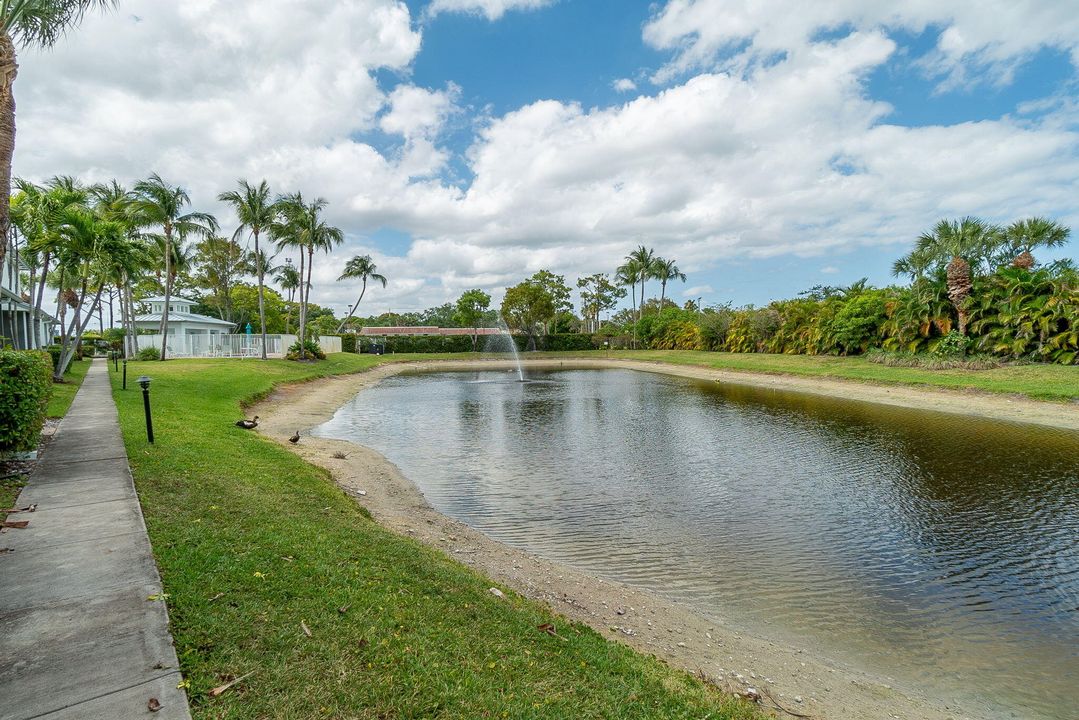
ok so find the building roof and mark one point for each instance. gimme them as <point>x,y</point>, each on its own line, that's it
<point>173,299</point>
<point>426,330</point>
<point>176,316</point>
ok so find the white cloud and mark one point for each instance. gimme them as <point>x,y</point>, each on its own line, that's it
<point>991,36</point>
<point>829,270</point>
<point>697,291</point>
<point>787,157</point>
<point>491,9</point>
<point>624,85</point>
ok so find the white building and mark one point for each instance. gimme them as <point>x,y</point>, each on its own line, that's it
<point>16,314</point>
<point>182,322</point>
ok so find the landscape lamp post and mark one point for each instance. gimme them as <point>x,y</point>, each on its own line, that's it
<point>125,375</point>
<point>115,360</point>
<point>144,383</point>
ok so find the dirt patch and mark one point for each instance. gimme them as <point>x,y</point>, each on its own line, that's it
<point>799,679</point>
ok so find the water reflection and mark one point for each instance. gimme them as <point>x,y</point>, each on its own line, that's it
<point>936,548</point>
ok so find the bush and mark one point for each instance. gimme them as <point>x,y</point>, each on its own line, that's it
<point>348,343</point>
<point>54,352</point>
<point>952,345</point>
<point>312,351</point>
<point>25,387</point>
<point>558,342</point>
<point>148,353</point>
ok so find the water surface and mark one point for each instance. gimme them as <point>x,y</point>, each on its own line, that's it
<point>937,549</point>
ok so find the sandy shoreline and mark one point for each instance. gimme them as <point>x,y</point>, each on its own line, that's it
<point>797,678</point>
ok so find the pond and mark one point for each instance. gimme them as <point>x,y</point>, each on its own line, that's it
<point>938,549</point>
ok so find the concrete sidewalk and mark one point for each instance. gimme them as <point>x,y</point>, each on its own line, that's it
<point>78,637</point>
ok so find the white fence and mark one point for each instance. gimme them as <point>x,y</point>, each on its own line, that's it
<point>230,346</point>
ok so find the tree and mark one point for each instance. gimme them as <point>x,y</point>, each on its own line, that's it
<point>220,264</point>
<point>244,300</point>
<point>27,24</point>
<point>256,212</point>
<point>471,309</point>
<point>288,277</point>
<point>598,294</point>
<point>644,260</point>
<point>964,246</point>
<point>526,307</point>
<point>300,225</point>
<point>627,275</point>
<point>665,271</point>
<point>158,203</point>
<point>1021,237</point>
<point>556,287</point>
<point>361,267</point>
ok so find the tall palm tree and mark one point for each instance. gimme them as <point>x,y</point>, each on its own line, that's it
<point>627,275</point>
<point>256,213</point>
<point>27,24</point>
<point>300,225</point>
<point>288,277</point>
<point>964,245</point>
<point>665,271</point>
<point>157,203</point>
<point>363,268</point>
<point>646,268</point>
<point>1023,236</point>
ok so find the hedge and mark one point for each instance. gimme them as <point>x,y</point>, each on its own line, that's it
<point>463,343</point>
<point>25,387</point>
<point>348,343</point>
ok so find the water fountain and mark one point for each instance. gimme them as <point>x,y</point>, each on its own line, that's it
<point>497,343</point>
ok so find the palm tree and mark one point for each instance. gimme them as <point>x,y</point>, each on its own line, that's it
<point>256,212</point>
<point>1023,236</point>
<point>627,275</point>
<point>665,271</point>
<point>646,268</point>
<point>158,203</point>
<point>288,277</point>
<point>300,225</point>
<point>364,268</point>
<point>965,246</point>
<point>27,24</point>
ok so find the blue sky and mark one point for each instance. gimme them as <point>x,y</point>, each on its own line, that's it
<point>468,143</point>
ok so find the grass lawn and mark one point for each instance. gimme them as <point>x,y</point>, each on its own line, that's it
<point>63,393</point>
<point>1043,382</point>
<point>254,545</point>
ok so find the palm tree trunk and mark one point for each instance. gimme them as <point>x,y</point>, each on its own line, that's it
<point>9,69</point>
<point>352,310</point>
<point>662,294</point>
<point>37,298</point>
<point>168,291</point>
<point>262,306</point>
<point>132,334</point>
<point>303,307</point>
<point>633,298</point>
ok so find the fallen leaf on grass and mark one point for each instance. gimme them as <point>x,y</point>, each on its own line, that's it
<point>153,704</point>
<point>15,524</point>
<point>158,596</point>
<point>306,630</point>
<point>222,688</point>
<point>216,597</point>
<point>343,609</point>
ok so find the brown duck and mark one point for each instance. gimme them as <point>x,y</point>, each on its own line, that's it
<point>295,438</point>
<point>248,424</point>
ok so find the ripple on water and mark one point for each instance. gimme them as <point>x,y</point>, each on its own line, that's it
<point>940,549</point>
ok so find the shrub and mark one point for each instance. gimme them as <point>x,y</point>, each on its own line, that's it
<point>348,343</point>
<point>54,352</point>
<point>926,361</point>
<point>148,353</point>
<point>25,387</point>
<point>312,351</point>
<point>952,345</point>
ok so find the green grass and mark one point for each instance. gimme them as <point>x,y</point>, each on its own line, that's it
<point>63,393</point>
<point>1042,382</point>
<point>251,541</point>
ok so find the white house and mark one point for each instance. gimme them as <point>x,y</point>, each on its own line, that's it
<point>16,313</point>
<point>182,322</point>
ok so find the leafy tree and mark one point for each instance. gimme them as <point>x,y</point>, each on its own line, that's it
<point>598,295</point>
<point>27,24</point>
<point>440,316</point>
<point>527,307</point>
<point>244,301</point>
<point>157,203</point>
<point>220,263</point>
<point>363,268</point>
<point>288,278</point>
<point>555,286</point>
<point>471,308</point>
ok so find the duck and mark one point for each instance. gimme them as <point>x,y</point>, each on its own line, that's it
<point>295,438</point>
<point>248,424</point>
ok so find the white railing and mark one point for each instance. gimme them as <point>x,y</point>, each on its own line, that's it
<point>230,346</point>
